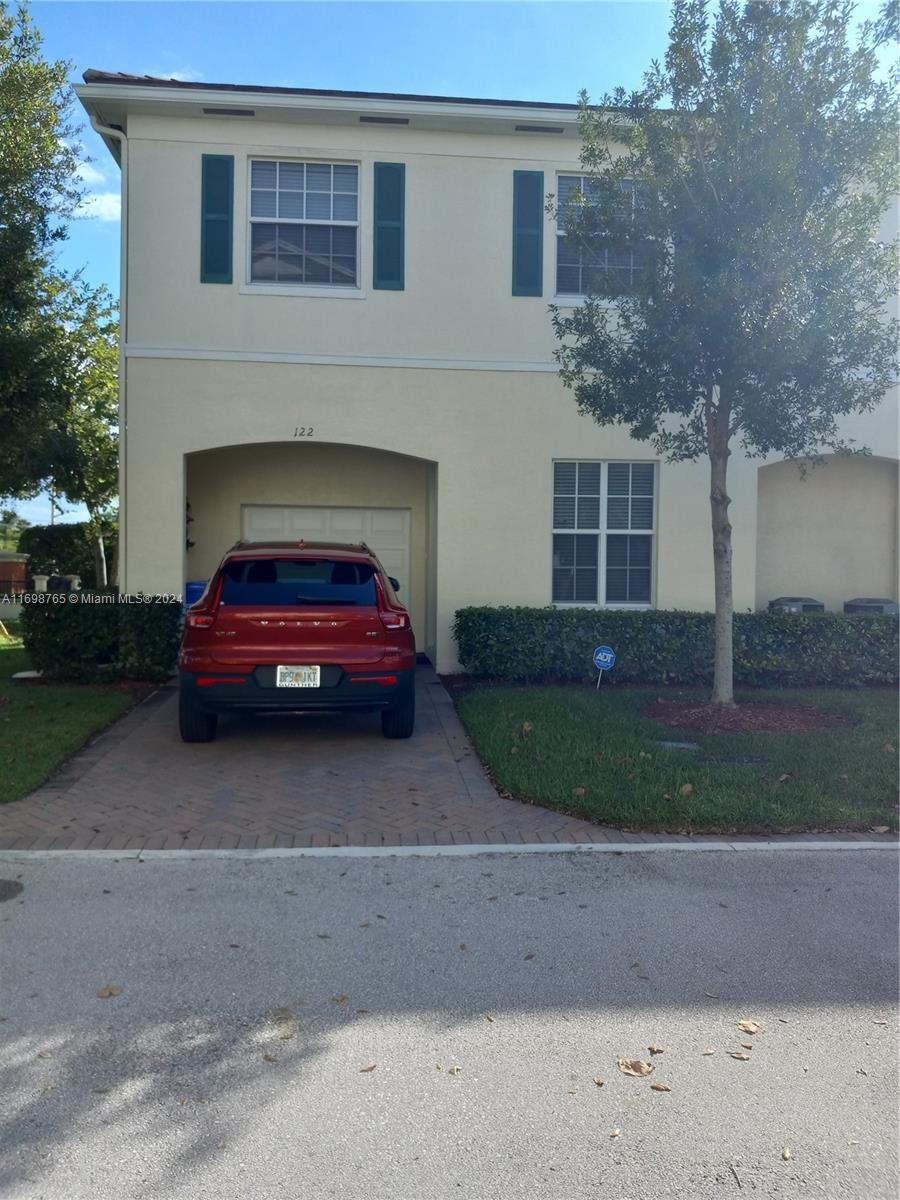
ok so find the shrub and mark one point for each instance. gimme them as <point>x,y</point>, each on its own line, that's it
<point>524,645</point>
<point>102,638</point>
<point>65,549</point>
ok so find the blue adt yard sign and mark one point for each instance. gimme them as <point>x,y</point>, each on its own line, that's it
<point>604,659</point>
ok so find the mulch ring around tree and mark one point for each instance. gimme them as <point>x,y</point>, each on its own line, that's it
<point>744,718</point>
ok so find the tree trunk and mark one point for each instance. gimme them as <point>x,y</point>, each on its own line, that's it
<point>723,669</point>
<point>100,559</point>
<point>114,569</point>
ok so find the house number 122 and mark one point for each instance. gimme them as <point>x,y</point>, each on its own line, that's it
<point>303,431</point>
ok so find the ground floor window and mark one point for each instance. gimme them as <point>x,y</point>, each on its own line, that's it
<point>603,530</point>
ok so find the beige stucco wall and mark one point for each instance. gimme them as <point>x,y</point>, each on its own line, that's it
<point>457,298</point>
<point>218,482</point>
<point>831,535</point>
<point>453,371</point>
<point>493,436</point>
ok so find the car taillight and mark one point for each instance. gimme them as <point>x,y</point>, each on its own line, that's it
<point>394,620</point>
<point>200,620</point>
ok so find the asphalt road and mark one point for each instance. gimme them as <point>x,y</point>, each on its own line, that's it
<point>489,993</point>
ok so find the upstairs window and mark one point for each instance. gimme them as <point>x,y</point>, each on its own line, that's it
<point>580,271</point>
<point>304,223</point>
<point>603,530</point>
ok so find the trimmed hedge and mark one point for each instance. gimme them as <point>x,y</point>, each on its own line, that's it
<point>526,645</point>
<point>65,549</point>
<point>109,639</point>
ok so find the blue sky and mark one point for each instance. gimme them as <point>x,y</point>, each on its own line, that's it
<point>517,51</point>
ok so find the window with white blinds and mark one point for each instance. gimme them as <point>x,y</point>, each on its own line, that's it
<point>603,530</point>
<point>304,223</point>
<point>580,271</point>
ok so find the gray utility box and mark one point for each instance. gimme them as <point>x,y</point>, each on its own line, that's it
<point>866,605</point>
<point>796,604</point>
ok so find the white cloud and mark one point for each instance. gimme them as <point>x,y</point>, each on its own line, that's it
<point>186,73</point>
<point>89,174</point>
<point>104,206</point>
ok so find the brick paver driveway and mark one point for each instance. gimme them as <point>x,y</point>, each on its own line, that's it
<point>278,781</point>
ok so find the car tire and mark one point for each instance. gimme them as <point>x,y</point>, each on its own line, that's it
<point>194,724</point>
<point>400,721</point>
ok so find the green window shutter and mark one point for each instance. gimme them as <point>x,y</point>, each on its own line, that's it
<point>528,233</point>
<point>390,187</point>
<point>217,218</point>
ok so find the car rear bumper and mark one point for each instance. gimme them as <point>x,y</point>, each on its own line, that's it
<point>220,691</point>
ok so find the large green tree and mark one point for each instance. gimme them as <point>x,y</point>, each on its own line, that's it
<point>86,469</point>
<point>58,337</point>
<point>747,177</point>
<point>38,191</point>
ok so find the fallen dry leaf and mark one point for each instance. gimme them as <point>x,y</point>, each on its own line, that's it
<point>616,1133</point>
<point>527,727</point>
<point>786,1154</point>
<point>686,789</point>
<point>106,992</point>
<point>579,791</point>
<point>879,828</point>
<point>454,1069</point>
<point>463,946</point>
<point>366,1069</point>
<point>341,999</point>
<point>269,1058</point>
<point>746,1026</point>
<point>879,1022</point>
<point>528,957</point>
<point>488,1017</point>
<point>286,1023</point>
<point>598,1081</point>
<point>45,1053</point>
<point>707,1052</point>
<point>660,1087</point>
<point>747,1045</point>
<point>739,1055</point>
<point>101,1091</point>
<point>655,1049</point>
<point>634,1066</point>
<point>783,778</point>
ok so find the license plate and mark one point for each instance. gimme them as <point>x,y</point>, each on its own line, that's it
<point>297,677</point>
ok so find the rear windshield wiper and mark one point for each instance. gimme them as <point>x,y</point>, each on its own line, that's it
<point>324,601</point>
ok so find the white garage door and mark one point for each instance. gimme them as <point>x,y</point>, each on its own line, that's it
<point>386,530</point>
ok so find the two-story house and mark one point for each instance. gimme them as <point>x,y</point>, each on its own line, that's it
<point>334,325</point>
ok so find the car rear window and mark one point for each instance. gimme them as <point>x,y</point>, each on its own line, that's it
<point>298,582</point>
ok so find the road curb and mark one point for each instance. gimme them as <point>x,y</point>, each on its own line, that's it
<point>579,848</point>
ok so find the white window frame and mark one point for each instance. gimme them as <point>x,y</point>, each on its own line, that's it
<point>603,532</point>
<point>574,299</point>
<point>319,290</point>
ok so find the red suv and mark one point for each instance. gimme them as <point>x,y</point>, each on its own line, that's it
<point>297,626</point>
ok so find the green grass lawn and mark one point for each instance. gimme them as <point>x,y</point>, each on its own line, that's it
<point>41,725</point>
<point>593,755</point>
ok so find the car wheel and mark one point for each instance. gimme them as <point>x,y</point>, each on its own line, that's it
<point>400,721</point>
<point>194,724</point>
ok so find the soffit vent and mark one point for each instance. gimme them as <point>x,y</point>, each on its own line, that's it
<point>384,120</point>
<point>540,129</point>
<point>229,112</point>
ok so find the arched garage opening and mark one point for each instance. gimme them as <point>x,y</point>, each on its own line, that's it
<point>321,492</point>
<point>831,533</point>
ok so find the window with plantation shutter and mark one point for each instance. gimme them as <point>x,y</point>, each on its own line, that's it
<point>609,271</point>
<point>304,223</point>
<point>603,528</point>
